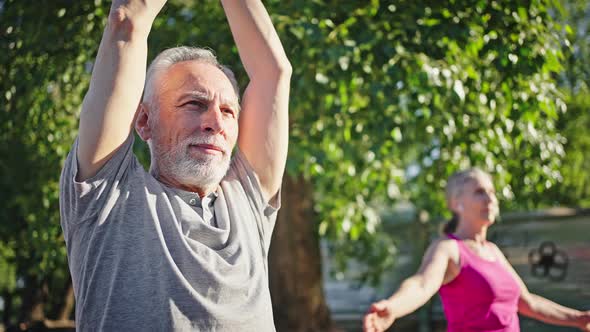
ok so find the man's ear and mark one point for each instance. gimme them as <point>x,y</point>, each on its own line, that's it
<point>142,122</point>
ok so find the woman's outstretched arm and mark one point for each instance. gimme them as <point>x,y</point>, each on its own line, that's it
<point>540,308</point>
<point>415,291</point>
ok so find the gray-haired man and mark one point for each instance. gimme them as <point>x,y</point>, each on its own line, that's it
<point>183,247</point>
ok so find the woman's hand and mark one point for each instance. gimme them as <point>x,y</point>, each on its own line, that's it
<point>584,321</point>
<point>379,317</point>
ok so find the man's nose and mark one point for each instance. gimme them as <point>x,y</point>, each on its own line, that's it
<point>212,121</point>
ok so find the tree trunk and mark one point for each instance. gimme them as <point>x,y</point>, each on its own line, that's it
<point>34,296</point>
<point>8,307</point>
<point>68,305</point>
<point>295,264</point>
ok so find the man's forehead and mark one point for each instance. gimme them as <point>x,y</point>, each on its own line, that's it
<point>208,78</point>
<point>208,94</point>
<point>203,79</point>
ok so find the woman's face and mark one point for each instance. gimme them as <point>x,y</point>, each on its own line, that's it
<point>477,201</point>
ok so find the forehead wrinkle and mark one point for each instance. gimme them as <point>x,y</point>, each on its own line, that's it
<point>198,94</point>
<point>194,84</point>
<point>166,85</point>
<point>205,94</point>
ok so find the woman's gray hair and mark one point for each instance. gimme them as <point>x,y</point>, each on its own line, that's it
<point>457,181</point>
<point>454,188</point>
<point>178,54</point>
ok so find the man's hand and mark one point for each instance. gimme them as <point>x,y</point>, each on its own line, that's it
<point>379,317</point>
<point>264,124</point>
<point>116,84</point>
<point>134,13</point>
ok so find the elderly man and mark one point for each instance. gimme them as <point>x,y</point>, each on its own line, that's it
<point>183,247</point>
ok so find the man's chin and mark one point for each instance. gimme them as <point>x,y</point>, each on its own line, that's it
<point>206,161</point>
<point>205,172</point>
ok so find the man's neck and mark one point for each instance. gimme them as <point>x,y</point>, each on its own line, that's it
<point>173,183</point>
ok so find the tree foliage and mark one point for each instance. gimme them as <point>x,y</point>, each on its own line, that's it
<point>44,70</point>
<point>394,97</point>
<point>574,190</point>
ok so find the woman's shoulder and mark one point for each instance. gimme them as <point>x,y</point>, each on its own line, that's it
<point>445,245</point>
<point>495,248</point>
<point>445,241</point>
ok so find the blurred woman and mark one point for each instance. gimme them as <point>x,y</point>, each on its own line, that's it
<point>480,290</point>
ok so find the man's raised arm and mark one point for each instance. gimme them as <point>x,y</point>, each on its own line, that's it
<point>264,124</point>
<point>116,84</point>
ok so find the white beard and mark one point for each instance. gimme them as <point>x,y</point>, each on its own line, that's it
<point>177,163</point>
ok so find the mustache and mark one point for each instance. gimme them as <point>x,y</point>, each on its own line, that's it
<point>210,140</point>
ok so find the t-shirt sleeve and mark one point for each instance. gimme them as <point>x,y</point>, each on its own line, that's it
<point>249,180</point>
<point>81,201</point>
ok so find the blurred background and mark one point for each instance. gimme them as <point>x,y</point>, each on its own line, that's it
<point>388,99</point>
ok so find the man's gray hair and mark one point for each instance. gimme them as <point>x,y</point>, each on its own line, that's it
<point>178,54</point>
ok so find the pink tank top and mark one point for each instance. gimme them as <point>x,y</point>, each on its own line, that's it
<point>482,298</point>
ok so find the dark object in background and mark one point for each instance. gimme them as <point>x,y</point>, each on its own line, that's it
<point>548,262</point>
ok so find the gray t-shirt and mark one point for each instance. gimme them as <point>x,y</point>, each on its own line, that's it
<point>147,257</point>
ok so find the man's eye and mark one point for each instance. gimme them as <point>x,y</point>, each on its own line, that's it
<point>194,103</point>
<point>228,111</point>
